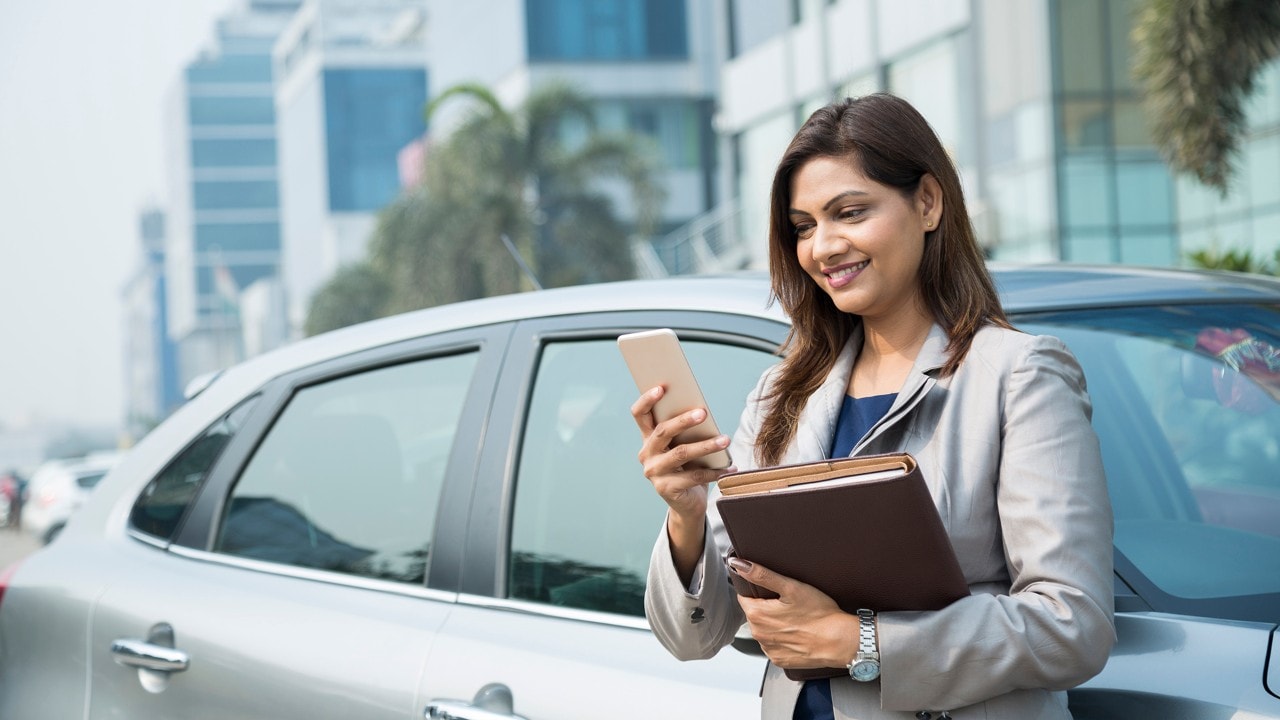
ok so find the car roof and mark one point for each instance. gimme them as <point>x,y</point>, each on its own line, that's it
<point>1031,288</point>
<point>1024,288</point>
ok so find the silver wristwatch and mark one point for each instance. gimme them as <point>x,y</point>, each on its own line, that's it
<point>866,664</point>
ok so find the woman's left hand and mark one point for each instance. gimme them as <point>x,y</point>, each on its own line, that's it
<point>803,627</point>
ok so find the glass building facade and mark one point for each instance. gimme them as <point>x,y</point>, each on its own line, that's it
<point>620,30</point>
<point>370,114</point>
<point>1248,215</point>
<point>224,206</point>
<point>1115,199</point>
<point>1036,103</point>
<point>234,190</point>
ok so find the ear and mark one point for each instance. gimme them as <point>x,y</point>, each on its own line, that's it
<point>929,201</point>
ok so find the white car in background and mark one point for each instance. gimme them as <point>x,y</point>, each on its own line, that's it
<point>58,488</point>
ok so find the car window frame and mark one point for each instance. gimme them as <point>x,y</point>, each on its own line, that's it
<point>485,576</point>
<point>198,531</point>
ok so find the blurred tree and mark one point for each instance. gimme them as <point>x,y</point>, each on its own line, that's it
<point>534,175</point>
<point>355,293</point>
<point>1196,61</point>
<point>1235,260</point>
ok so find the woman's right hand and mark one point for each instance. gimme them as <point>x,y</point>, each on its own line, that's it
<point>683,489</point>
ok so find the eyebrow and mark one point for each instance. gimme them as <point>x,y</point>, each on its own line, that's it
<point>833,201</point>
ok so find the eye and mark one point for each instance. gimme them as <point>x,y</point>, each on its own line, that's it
<point>850,213</point>
<point>803,230</point>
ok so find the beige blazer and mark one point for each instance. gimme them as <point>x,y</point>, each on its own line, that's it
<point>1013,464</point>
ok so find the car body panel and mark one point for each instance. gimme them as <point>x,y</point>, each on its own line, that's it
<point>269,640</point>
<point>1156,653</point>
<point>571,667</point>
<point>262,644</point>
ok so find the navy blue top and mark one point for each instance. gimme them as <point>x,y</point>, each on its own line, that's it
<point>856,418</point>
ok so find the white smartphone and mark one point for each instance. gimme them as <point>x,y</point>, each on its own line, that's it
<point>656,358</point>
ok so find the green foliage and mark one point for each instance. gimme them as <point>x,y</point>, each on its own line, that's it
<point>355,293</point>
<point>526,174</point>
<point>1196,61</point>
<point>1235,260</point>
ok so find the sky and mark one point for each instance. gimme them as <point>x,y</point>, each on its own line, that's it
<point>82,88</point>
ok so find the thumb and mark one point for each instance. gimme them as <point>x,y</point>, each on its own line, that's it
<point>760,575</point>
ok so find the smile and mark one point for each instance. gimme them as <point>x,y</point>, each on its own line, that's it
<point>844,275</point>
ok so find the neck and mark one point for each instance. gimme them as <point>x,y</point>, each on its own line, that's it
<point>898,337</point>
<point>889,350</point>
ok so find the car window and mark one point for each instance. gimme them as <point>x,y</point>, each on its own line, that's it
<point>349,476</point>
<point>585,517</point>
<point>1187,407</point>
<point>162,503</point>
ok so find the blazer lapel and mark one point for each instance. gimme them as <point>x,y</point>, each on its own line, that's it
<point>817,423</point>
<point>932,356</point>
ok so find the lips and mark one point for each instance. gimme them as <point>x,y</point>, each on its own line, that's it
<point>843,275</point>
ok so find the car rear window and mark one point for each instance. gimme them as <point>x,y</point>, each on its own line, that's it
<point>164,501</point>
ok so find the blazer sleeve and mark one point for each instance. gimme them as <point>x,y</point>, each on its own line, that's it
<point>1054,629</point>
<point>695,622</point>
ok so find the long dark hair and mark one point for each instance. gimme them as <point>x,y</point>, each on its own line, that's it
<point>892,143</point>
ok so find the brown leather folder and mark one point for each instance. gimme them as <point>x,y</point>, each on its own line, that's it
<point>864,530</point>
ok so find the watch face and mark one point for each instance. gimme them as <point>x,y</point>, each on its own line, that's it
<point>865,670</point>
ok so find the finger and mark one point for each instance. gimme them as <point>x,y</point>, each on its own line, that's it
<point>685,453</point>
<point>642,409</point>
<point>762,576</point>
<point>671,428</point>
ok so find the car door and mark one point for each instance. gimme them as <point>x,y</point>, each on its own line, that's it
<point>550,623</point>
<point>296,586</point>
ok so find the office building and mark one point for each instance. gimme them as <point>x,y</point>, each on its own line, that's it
<point>224,217</point>
<point>351,92</point>
<point>1034,100</point>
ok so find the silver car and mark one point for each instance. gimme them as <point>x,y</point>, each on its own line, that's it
<point>441,515</point>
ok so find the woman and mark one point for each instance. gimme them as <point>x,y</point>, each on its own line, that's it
<point>899,344</point>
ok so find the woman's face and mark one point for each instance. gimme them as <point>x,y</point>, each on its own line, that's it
<point>861,241</point>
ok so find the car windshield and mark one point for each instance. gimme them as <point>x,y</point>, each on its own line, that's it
<point>1187,405</point>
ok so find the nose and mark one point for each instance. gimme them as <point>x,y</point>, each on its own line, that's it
<point>828,242</point>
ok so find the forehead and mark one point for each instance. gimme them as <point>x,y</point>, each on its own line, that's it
<point>821,178</point>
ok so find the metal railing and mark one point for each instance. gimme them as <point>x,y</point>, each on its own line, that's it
<point>709,243</point>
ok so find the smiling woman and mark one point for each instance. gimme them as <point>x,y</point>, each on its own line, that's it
<point>899,344</point>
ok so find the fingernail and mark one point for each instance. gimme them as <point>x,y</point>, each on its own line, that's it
<point>723,441</point>
<point>740,566</point>
<point>699,414</point>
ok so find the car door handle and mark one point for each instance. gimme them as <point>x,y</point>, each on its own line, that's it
<point>146,656</point>
<point>492,702</point>
<point>456,710</point>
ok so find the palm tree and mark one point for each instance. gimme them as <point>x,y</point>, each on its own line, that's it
<point>521,176</point>
<point>1196,61</point>
<point>355,293</point>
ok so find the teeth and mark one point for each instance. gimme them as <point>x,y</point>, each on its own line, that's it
<point>848,271</point>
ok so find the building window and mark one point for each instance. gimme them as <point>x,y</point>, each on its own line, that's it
<point>371,115</point>
<point>607,30</point>
<point>232,110</point>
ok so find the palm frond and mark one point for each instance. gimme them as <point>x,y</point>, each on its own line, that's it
<point>1196,61</point>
